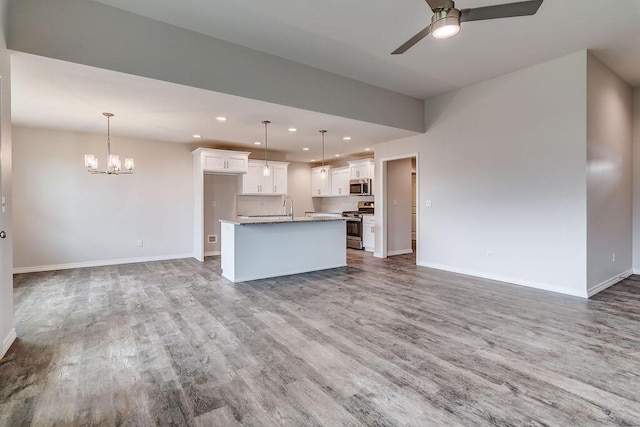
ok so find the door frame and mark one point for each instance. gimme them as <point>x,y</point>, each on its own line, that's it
<point>382,204</point>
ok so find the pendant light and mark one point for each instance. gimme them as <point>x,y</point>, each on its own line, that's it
<point>323,172</point>
<point>266,171</point>
<point>113,160</point>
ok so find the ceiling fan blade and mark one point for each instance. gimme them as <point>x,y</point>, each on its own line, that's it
<point>508,10</point>
<point>413,40</point>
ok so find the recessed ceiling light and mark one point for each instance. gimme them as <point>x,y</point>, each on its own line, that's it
<point>197,136</point>
<point>347,138</point>
<point>292,129</point>
<point>221,119</point>
<point>257,143</point>
<point>305,149</point>
<point>367,149</point>
<point>336,155</point>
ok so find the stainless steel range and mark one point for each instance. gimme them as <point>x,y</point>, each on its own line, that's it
<point>354,224</point>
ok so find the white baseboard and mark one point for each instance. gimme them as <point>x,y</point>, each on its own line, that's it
<point>512,280</point>
<point>636,271</point>
<point>608,283</point>
<point>212,253</point>
<point>8,340</point>
<point>53,267</point>
<point>400,252</point>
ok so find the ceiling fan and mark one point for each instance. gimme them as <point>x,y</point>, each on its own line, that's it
<point>446,19</point>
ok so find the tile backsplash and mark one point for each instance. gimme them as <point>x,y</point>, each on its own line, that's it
<point>260,205</point>
<point>339,204</point>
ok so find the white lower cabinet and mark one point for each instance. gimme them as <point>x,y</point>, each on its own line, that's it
<point>255,183</point>
<point>369,232</point>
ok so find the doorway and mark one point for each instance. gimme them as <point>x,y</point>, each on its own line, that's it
<point>399,210</point>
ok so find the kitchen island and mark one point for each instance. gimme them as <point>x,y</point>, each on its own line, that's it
<point>259,248</point>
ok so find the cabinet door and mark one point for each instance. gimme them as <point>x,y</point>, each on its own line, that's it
<point>236,163</point>
<point>279,173</point>
<point>266,182</point>
<point>215,162</point>
<point>368,233</point>
<point>336,183</point>
<point>251,181</point>
<point>320,187</point>
<point>345,176</point>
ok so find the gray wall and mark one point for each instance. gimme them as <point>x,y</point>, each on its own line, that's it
<point>609,175</point>
<point>503,163</point>
<point>636,181</point>
<point>7,331</point>
<point>66,216</point>
<point>222,189</point>
<point>399,206</point>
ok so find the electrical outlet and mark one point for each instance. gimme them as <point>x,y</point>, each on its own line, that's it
<point>140,243</point>
<point>212,238</point>
<point>213,204</point>
<point>490,254</point>
<point>427,203</point>
<point>613,257</point>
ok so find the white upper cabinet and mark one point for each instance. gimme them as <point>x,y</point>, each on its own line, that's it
<point>255,183</point>
<point>223,161</point>
<point>279,173</point>
<point>320,187</point>
<point>340,181</point>
<point>362,169</point>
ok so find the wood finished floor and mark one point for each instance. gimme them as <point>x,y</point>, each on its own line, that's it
<point>381,342</point>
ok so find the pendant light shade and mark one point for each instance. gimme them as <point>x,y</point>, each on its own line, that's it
<point>266,170</point>
<point>323,171</point>
<point>114,166</point>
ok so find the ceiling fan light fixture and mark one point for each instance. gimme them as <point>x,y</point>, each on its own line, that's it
<point>445,23</point>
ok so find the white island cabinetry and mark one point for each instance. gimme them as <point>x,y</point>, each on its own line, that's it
<point>303,244</point>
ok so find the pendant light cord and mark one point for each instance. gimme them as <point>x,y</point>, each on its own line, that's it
<point>323,132</point>
<point>265,122</point>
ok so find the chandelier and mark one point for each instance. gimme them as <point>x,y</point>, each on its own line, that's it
<point>114,166</point>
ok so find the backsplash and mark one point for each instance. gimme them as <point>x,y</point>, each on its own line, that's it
<point>339,204</point>
<point>259,205</point>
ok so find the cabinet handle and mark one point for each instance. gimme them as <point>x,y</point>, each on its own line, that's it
<point>275,189</point>
<point>373,229</point>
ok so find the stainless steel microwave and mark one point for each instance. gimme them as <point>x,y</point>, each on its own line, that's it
<point>360,187</point>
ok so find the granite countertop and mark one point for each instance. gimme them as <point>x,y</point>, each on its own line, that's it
<point>279,220</point>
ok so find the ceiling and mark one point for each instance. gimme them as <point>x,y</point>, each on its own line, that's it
<point>352,38</point>
<point>60,95</point>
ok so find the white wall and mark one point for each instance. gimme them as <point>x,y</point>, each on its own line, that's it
<point>66,216</point>
<point>7,331</point>
<point>636,181</point>
<point>399,206</point>
<point>609,176</point>
<point>222,189</point>
<point>503,163</point>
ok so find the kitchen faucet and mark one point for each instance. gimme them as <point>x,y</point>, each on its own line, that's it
<point>284,204</point>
